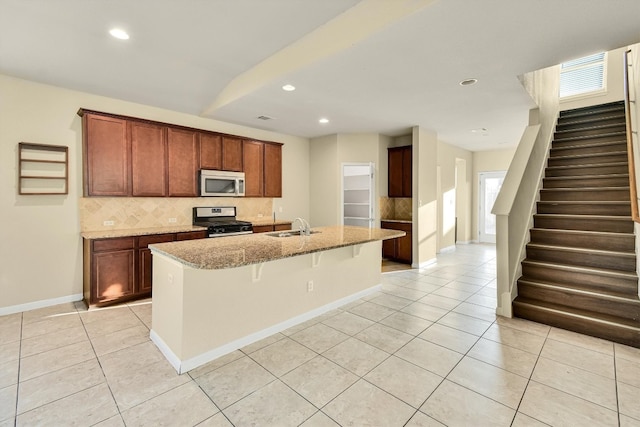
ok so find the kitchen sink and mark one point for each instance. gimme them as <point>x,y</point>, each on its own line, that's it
<point>289,233</point>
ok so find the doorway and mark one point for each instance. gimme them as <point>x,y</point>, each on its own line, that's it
<point>490,184</point>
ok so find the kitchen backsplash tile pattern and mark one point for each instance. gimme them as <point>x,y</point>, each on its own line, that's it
<point>148,212</point>
<point>396,208</point>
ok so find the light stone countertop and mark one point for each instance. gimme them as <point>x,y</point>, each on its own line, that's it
<point>265,220</point>
<point>404,221</point>
<point>128,232</point>
<point>237,251</point>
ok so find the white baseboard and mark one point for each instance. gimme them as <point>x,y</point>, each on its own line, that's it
<point>424,264</point>
<point>183,366</point>
<point>39,304</point>
<point>448,249</point>
<point>464,242</point>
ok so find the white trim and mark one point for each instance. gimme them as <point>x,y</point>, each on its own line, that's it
<point>424,264</point>
<point>448,249</point>
<point>466,242</point>
<point>39,304</point>
<point>183,366</point>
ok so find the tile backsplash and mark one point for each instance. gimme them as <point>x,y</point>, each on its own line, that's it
<point>148,212</point>
<point>396,208</point>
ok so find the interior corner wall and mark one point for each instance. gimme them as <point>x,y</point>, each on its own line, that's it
<point>448,156</point>
<point>486,161</point>
<point>425,196</point>
<point>324,172</point>
<point>384,142</point>
<point>41,247</point>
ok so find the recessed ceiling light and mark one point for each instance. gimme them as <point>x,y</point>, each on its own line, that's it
<point>119,33</point>
<point>479,130</point>
<point>323,120</point>
<point>289,88</point>
<point>468,82</point>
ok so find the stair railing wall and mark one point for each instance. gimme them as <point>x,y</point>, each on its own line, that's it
<point>516,203</point>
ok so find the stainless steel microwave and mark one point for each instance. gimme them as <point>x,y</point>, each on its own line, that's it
<point>221,183</point>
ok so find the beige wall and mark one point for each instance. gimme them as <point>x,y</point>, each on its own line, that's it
<point>454,198</point>
<point>486,161</point>
<point>40,249</point>
<point>425,196</point>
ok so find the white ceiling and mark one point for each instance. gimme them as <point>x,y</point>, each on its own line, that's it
<point>399,73</point>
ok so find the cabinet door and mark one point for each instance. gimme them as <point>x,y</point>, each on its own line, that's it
<point>106,151</point>
<point>191,235</point>
<point>282,227</point>
<point>395,172</point>
<point>210,151</point>
<point>253,153</point>
<point>262,228</point>
<point>182,150</point>
<point>113,275</point>
<point>389,248</point>
<point>404,248</point>
<point>406,172</point>
<point>272,170</point>
<point>145,262</point>
<point>231,154</point>
<point>148,159</point>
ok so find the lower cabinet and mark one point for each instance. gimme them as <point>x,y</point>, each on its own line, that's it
<point>400,249</point>
<point>120,269</point>
<point>271,227</point>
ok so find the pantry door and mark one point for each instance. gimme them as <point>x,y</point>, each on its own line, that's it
<point>490,184</point>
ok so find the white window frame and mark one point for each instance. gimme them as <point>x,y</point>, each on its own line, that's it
<point>588,93</point>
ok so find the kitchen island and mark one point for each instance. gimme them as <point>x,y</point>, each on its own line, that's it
<point>213,296</point>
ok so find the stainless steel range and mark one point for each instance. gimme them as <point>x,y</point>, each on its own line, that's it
<point>220,221</point>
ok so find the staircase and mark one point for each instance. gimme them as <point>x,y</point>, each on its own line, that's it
<point>580,270</point>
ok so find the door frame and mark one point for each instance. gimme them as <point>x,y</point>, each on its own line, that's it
<point>482,176</point>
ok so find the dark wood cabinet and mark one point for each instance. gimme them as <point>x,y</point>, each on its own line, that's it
<point>232,154</point>
<point>148,159</point>
<point>253,153</point>
<point>112,269</point>
<point>271,227</point>
<point>106,156</point>
<point>120,269</point>
<point>401,248</point>
<point>400,171</point>
<point>272,170</point>
<point>125,156</point>
<point>144,259</point>
<point>210,151</point>
<point>183,162</point>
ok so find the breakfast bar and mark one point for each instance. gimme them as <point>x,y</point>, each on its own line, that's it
<point>213,296</point>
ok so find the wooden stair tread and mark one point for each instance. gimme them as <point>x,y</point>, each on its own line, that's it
<point>589,232</point>
<point>583,137</point>
<point>576,216</point>
<point>587,165</point>
<point>582,269</point>
<point>563,189</point>
<point>609,295</point>
<point>584,202</point>
<point>615,321</point>
<point>615,114</point>
<point>624,254</point>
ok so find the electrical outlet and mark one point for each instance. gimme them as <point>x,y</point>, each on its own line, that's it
<point>280,209</point>
<point>107,223</point>
<point>173,220</point>
<point>310,286</point>
<point>259,215</point>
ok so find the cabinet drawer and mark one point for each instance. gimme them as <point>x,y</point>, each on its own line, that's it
<point>282,227</point>
<point>155,238</point>
<point>191,235</point>
<point>262,228</point>
<point>117,244</point>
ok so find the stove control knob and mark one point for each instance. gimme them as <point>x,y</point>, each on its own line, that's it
<point>218,230</point>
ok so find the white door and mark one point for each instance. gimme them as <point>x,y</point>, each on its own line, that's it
<point>490,184</point>
<point>358,194</point>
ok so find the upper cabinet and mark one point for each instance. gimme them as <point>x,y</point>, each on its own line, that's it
<point>124,156</point>
<point>210,151</point>
<point>400,171</point>
<point>262,169</point>
<point>232,154</point>
<point>148,159</point>
<point>106,151</point>
<point>183,159</point>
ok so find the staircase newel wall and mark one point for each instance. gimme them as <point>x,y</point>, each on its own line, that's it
<point>515,205</point>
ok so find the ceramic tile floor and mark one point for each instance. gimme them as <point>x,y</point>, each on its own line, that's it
<point>426,351</point>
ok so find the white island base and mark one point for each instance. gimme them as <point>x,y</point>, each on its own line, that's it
<point>202,314</point>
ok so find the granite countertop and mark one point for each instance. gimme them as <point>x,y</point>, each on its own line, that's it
<point>106,234</point>
<point>405,221</point>
<point>236,251</point>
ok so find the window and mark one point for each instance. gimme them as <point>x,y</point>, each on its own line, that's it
<point>582,75</point>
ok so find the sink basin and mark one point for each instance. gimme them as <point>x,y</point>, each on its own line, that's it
<point>288,233</point>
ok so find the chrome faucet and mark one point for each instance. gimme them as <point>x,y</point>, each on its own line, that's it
<point>305,228</point>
